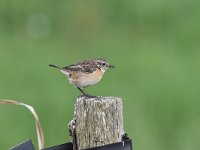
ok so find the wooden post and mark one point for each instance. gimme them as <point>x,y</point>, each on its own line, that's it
<point>97,121</point>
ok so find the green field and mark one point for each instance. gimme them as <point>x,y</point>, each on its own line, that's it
<point>155,46</point>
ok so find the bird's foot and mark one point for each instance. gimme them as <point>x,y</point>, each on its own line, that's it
<point>89,96</point>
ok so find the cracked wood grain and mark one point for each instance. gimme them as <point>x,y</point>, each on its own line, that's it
<point>97,121</point>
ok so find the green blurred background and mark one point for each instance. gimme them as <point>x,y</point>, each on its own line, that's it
<point>155,46</point>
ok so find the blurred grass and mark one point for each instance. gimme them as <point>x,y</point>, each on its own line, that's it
<point>153,44</point>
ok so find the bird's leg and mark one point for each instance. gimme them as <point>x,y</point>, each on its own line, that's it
<point>84,93</point>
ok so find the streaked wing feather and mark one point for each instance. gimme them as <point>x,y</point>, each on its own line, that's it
<point>80,68</point>
<point>88,66</point>
<point>88,69</point>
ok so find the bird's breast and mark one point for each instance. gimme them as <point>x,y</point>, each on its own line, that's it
<point>83,79</point>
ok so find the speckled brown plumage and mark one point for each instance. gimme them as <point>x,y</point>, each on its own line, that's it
<point>85,73</point>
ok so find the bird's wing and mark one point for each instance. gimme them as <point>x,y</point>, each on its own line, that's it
<point>88,65</point>
<point>89,68</point>
<point>80,68</point>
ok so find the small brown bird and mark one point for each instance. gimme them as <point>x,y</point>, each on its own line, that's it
<point>85,73</point>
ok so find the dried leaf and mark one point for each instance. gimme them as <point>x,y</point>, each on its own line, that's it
<point>40,136</point>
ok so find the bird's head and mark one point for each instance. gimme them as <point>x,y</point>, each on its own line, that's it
<point>103,64</point>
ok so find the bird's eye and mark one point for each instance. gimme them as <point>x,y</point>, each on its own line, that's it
<point>103,64</point>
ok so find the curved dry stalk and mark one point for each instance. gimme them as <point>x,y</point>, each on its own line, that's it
<point>40,136</point>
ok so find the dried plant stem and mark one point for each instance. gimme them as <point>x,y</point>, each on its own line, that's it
<point>37,122</point>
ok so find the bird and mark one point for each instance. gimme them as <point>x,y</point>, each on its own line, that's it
<point>85,73</point>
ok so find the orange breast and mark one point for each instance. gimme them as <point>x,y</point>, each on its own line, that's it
<point>81,79</point>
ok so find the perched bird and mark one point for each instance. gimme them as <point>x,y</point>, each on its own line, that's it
<point>85,73</point>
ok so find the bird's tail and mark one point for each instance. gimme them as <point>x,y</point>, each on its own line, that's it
<point>51,65</point>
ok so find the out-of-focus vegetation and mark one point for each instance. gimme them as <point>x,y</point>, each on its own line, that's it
<point>155,46</point>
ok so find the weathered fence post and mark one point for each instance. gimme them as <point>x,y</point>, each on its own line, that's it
<point>97,121</point>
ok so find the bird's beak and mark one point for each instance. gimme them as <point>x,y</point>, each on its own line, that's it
<point>111,66</point>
